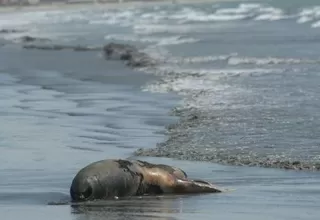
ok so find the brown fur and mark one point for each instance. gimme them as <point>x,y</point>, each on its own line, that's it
<point>158,177</point>
<point>168,179</point>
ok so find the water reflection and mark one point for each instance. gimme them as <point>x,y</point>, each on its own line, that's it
<point>135,208</point>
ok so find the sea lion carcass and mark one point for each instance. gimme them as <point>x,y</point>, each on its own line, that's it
<point>109,178</point>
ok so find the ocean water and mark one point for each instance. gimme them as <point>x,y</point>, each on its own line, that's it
<point>233,100</point>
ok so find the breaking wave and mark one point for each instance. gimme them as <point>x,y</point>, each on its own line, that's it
<point>158,40</point>
<point>234,59</point>
<point>188,19</point>
<point>310,14</point>
<point>269,61</point>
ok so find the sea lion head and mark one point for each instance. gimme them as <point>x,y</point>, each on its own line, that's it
<point>86,186</point>
<point>105,179</point>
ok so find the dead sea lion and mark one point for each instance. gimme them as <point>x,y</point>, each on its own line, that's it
<point>107,179</point>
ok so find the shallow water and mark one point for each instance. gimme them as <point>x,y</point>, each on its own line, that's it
<point>259,193</point>
<point>242,80</point>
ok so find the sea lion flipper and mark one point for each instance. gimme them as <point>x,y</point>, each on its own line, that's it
<point>195,186</point>
<point>214,187</point>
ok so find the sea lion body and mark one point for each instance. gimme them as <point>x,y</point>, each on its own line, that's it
<point>107,179</point>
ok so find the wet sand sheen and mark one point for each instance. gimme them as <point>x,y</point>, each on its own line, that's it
<point>75,114</point>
